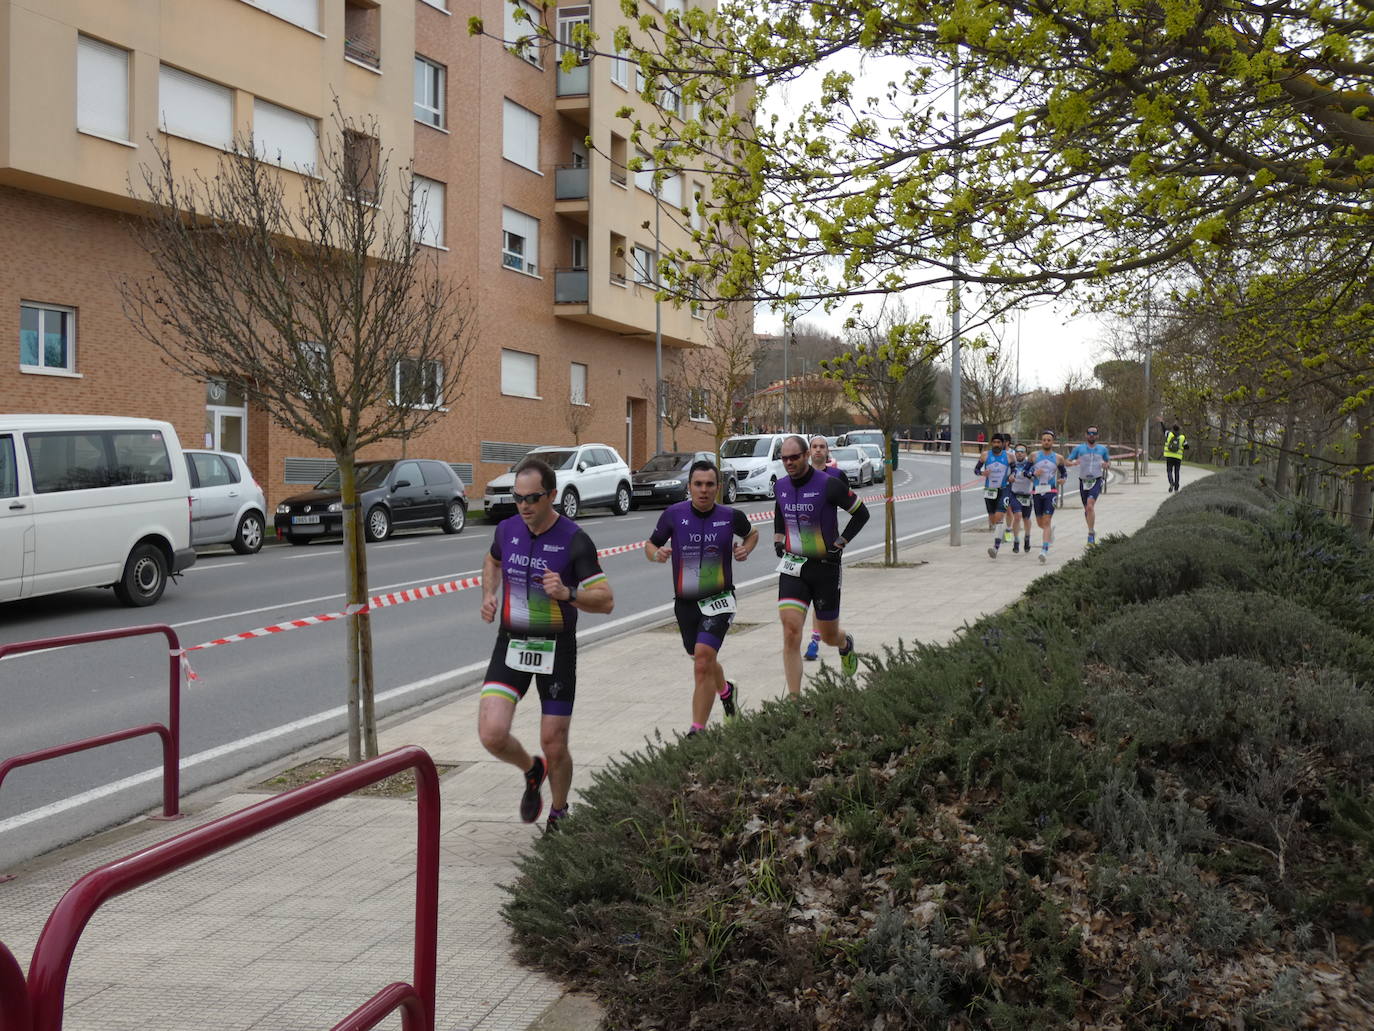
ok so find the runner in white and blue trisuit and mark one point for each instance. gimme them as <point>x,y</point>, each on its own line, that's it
<point>699,536</point>
<point>1093,460</point>
<point>1047,472</point>
<point>995,468</point>
<point>1019,499</point>
<point>809,543</point>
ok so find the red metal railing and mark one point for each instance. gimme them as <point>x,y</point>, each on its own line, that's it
<point>14,996</point>
<point>170,732</point>
<point>52,956</point>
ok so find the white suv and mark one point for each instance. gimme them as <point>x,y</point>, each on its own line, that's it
<point>588,475</point>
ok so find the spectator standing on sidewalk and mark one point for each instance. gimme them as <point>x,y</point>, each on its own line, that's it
<point>1175,444</point>
<point>822,462</point>
<point>809,544</point>
<point>546,570</point>
<point>699,536</point>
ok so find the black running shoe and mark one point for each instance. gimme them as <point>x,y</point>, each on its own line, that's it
<point>532,802</point>
<point>727,700</point>
<point>555,815</point>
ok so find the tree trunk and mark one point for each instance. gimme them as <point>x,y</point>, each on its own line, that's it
<point>348,489</point>
<point>1362,483</point>
<point>890,528</point>
<point>1285,466</point>
<point>367,682</point>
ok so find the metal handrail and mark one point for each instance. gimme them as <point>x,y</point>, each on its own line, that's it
<point>170,733</point>
<point>382,1005</point>
<point>14,996</point>
<point>52,956</point>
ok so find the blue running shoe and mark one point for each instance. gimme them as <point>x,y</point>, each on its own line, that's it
<point>813,650</point>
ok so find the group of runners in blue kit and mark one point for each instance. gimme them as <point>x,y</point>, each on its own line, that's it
<point>542,569</point>
<point>1018,485</point>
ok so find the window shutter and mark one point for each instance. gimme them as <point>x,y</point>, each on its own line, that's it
<point>102,88</point>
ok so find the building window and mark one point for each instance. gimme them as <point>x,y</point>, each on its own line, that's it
<point>419,384</point>
<point>102,88</point>
<point>578,392</point>
<point>362,161</point>
<point>47,337</point>
<point>579,252</point>
<point>427,210</point>
<point>620,70</point>
<point>644,178</point>
<point>569,18</point>
<point>696,404</point>
<point>440,4</point>
<point>195,108</point>
<point>520,136</point>
<point>644,266</point>
<point>519,241</point>
<point>429,92</point>
<point>363,32</point>
<point>284,137</point>
<point>313,370</point>
<point>697,220</point>
<point>305,13</point>
<point>522,35</point>
<point>670,189</point>
<point>519,373</point>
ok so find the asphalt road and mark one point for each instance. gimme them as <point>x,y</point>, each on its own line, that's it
<point>257,700</point>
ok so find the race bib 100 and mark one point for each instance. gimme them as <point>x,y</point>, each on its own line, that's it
<point>532,656</point>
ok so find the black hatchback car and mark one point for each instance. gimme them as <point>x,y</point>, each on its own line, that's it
<point>395,492</point>
<point>662,480</point>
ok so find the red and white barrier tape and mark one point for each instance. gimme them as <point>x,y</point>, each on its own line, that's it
<point>382,601</point>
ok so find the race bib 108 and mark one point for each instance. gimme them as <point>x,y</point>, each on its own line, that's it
<point>717,604</point>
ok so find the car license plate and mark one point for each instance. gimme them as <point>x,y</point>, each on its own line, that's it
<point>642,493</point>
<point>309,520</point>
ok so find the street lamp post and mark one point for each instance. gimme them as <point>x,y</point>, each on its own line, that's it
<point>956,385</point>
<point>786,339</point>
<point>658,330</point>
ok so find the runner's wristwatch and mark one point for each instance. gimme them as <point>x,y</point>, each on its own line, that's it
<point>572,592</point>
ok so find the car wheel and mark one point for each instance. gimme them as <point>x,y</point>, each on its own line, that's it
<point>622,500</point>
<point>772,487</point>
<point>456,518</point>
<point>145,576</point>
<point>378,525</point>
<point>731,491</point>
<point>248,537</point>
<point>291,538</point>
<point>571,503</point>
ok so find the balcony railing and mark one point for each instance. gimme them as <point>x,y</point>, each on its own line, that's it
<point>574,83</point>
<point>570,286</point>
<point>570,182</point>
<point>363,51</point>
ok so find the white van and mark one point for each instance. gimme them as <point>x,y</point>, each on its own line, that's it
<point>753,458</point>
<point>92,501</point>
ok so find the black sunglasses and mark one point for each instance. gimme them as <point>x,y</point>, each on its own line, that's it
<point>528,499</point>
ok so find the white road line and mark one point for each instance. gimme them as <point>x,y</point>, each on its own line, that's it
<point>230,747</point>
<point>198,567</point>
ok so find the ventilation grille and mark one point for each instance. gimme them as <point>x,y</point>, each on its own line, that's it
<point>308,470</point>
<point>464,471</point>
<point>504,452</point>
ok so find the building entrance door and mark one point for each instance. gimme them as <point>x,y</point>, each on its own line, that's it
<point>226,417</point>
<point>636,419</point>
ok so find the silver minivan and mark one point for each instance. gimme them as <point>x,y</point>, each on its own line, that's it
<point>92,501</point>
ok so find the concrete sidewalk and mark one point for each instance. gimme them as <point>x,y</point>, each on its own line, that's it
<point>295,928</point>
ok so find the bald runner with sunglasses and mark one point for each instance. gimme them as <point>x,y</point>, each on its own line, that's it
<point>541,571</point>
<point>809,544</point>
<point>1093,461</point>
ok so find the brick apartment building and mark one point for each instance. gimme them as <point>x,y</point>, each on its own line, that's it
<point>547,236</point>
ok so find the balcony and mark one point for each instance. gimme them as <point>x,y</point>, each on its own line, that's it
<point>570,286</point>
<point>574,93</point>
<point>364,51</point>
<point>571,186</point>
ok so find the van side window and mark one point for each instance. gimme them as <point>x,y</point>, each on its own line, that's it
<point>9,472</point>
<point>62,461</point>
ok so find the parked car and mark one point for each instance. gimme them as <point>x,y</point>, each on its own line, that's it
<point>588,476</point>
<point>393,492</point>
<point>753,460</point>
<point>854,464</point>
<point>866,436</point>
<point>876,456</point>
<point>662,480</point>
<point>226,502</point>
<point>92,501</point>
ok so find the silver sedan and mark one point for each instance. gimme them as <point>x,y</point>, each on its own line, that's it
<point>855,464</point>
